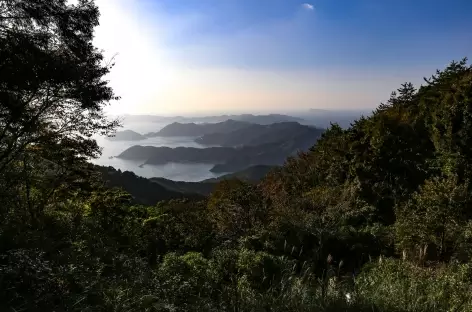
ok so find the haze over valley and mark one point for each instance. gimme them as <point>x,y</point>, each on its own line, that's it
<point>235,155</point>
<point>261,140</point>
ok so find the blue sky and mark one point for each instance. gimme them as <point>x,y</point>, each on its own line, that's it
<point>235,55</point>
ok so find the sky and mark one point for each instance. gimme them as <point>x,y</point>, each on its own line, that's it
<point>189,56</point>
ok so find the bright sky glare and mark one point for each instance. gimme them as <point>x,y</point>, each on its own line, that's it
<point>270,55</point>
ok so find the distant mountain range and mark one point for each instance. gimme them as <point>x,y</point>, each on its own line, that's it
<point>245,146</point>
<point>321,118</point>
<point>126,135</point>
<point>237,149</point>
<point>193,129</point>
<point>228,159</point>
<point>259,119</point>
<point>256,134</point>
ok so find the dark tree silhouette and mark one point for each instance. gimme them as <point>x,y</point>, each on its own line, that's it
<point>52,91</point>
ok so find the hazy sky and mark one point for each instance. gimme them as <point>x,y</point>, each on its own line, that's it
<point>177,56</point>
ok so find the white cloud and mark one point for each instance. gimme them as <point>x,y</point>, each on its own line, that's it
<point>308,6</point>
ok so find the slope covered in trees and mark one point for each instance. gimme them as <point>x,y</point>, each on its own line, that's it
<point>126,135</point>
<point>262,134</point>
<point>250,174</point>
<point>376,217</point>
<point>151,191</point>
<point>237,147</point>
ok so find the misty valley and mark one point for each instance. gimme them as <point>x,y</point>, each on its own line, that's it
<point>235,156</point>
<point>187,149</point>
<point>185,156</point>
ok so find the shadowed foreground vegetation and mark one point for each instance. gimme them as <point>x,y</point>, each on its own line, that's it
<point>376,217</point>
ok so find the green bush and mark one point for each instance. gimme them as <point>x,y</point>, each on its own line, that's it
<point>393,285</point>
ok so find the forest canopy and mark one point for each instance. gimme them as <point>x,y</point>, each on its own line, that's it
<point>376,217</point>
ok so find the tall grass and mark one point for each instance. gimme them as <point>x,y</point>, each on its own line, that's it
<point>394,285</point>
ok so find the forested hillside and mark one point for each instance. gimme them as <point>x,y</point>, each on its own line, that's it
<point>376,217</point>
<point>151,191</point>
<point>262,134</point>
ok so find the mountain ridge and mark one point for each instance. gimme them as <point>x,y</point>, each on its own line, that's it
<point>252,118</point>
<point>259,134</point>
<point>236,150</point>
<point>126,135</point>
<point>195,130</point>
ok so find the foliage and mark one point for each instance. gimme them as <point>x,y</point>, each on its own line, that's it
<point>52,96</point>
<point>392,285</point>
<point>236,208</point>
<point>148,191</point>
<point>435,216</point>
<point>375,217</point>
